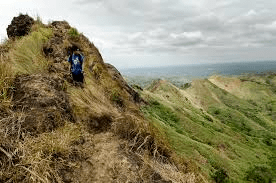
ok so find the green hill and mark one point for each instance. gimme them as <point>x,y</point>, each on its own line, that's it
<point>223,124</point>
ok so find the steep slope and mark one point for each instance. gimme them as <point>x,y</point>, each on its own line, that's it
<point>54,130</point>
<point>225,125</point>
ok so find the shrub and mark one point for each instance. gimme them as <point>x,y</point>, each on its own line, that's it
<point>220,176</point>
<point>259,174</point>
<point>73,33</point>
<point>116,98</point>
<point>186,85</point>
<point>20,26</point>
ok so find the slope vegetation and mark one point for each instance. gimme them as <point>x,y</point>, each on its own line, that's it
<point>225,125</point>
<point>54,130</point>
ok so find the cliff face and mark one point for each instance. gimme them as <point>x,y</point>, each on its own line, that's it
<point>53,130</point>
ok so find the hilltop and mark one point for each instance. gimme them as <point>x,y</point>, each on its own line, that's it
<point>220,129</point>
<point>53,130</point>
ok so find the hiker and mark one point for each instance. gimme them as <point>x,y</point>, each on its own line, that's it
<point>76,61</point>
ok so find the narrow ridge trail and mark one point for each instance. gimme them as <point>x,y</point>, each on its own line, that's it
<point>67,133</point>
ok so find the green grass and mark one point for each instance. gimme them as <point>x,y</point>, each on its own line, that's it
<point>228,134</point>
<point>27,55</point>
<point>73,33</point>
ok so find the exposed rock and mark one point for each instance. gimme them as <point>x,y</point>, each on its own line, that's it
<point>61,24</point>
<point>20,26</point>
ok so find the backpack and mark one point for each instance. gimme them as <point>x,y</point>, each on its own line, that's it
<point>76,64</point>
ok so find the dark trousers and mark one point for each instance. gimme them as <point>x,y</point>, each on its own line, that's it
<point>78,77</point>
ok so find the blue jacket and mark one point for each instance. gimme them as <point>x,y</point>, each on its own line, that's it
<point>76,63</point>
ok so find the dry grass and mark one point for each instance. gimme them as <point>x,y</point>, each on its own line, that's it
<point>39,158</point>
<point>6,73</point>
<point>90,100</point>
<point>46,153</point>
<point>6,77</point>
<point>142,139</point>
<point>27,55</point>
<point>119,141</point>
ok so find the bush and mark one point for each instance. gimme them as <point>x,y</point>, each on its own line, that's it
<point>220,175</point>
<point>186,85</point>
<point>259,174</point>
<point>73,33</point>
<point>116,98</point>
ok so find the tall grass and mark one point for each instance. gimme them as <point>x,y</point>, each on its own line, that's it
<point>6,76</point>
<point>27,55</point>
<point>6,72</point>
<point>42,157</point>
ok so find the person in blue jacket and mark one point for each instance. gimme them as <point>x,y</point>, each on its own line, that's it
<point>76,60</point>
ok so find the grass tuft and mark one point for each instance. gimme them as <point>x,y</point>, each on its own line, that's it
<point>73,33</point>
<point>27,55</point>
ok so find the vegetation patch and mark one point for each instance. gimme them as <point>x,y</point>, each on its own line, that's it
<point>259,174</point>
<point>73,33</point>
<point>220,176</point>
<point>27,55</point>
<point>162,113</point>
<point>214,127</point>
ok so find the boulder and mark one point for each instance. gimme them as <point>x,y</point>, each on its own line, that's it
<point>20,26</point>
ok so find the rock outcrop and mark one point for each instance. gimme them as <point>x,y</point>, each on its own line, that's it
<point>20,26</point>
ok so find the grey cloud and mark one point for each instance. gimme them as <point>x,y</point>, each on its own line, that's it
<point>201,28</point>
<point>220,28</point>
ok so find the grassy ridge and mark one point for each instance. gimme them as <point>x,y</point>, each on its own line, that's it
<point>104,116</point>
<point>225,125</point>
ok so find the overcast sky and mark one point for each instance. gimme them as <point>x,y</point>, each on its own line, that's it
<point>131,33</point>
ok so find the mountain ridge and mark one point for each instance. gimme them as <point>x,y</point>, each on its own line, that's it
<point>220,129</point>
<point>53,130</point>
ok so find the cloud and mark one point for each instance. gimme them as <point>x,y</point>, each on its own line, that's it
<point>202,28</point>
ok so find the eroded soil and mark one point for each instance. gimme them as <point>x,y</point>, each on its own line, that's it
<point>43,101</point>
